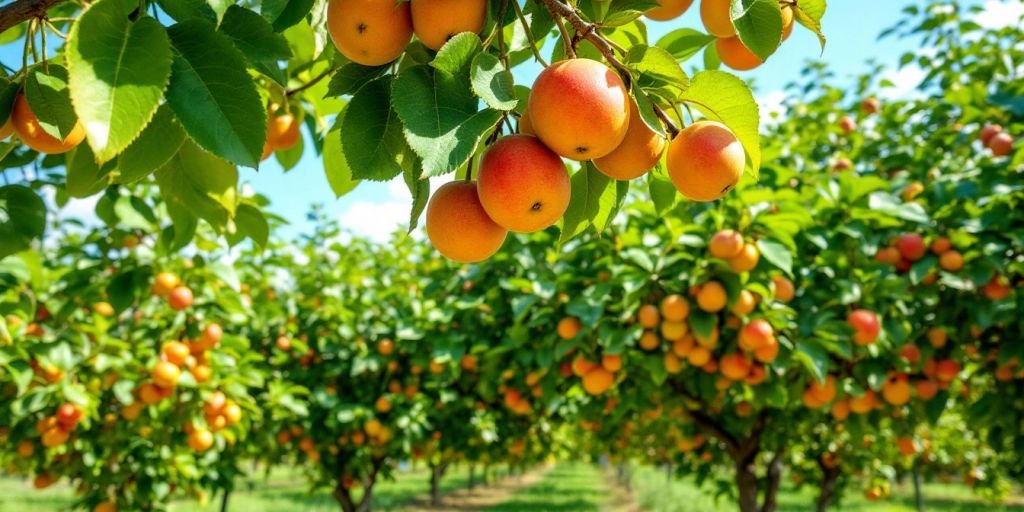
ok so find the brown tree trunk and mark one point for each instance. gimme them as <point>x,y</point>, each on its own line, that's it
<point>918,498</point>
<point>771,493</point>
<point>828,487</point>
<point>472,477</point>
<point>344,498</point>
<point>224,500</point>
<point>746,482</point>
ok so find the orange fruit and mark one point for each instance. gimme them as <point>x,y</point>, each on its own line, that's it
<point>705,161</point>
<point>896,390</point>
<point>175,352</point>
<point>164,283</point>
<point>716,17</point>
<point>649,341</point>
<point>522,185</point>
<point>639,151</point>
<point>200,440</point>
<point>668,9</point>
<point>747,260</point>
<point>31,133</point>
<point>282,131</point>
<point>436,21</point>
<point>864,403</point>
<point>725,244</point>
<point>648,316</point>
<point>598,380</point>
<point>569,327</point>
<point>612,363</point>
<point>823,392</point>
<point>784,290</point>
<point>712,297</point>
<point>673,330</point>
<point>734,366</point>
<point>459,227</point>
<point>675,308</point>
<point>865,325</point>
<point>951,261</point>
<point>180,298</point>
<point>369,32</point>
<point>165,374</point>
<point>756,334</point>
<point>745,303</point>
<point>736,55</point>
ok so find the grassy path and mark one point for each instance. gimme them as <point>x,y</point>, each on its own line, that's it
<point>566,488</point>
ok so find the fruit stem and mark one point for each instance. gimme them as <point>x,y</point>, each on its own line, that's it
<point>502,50</point>
<point>569,46</point>
<point>529,34</point>
<point>669,124</point>
<point>589,32</point>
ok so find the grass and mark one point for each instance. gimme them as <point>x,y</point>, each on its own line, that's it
<point>654,494</point>
<point>568,487</point>
<point>285,489</point>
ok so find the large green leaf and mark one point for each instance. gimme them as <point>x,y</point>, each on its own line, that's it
<point>351,77</point>
<point>725,98</point>
<point>684,43</point>
<point>338,172</point>
<point>117,71</point>
<point>154,147</point>
<point>46,90</point>
<point>439,110</point>
<point>8,91</point>
<point>776,254</point>
<point>657,71</point>
<point>85,176</point>
<point>420,191</point>
<point>588,185</point>
<point>249,223</point>
<point>22,218</point>
<point>213,96</point>
<point>256,39</point>
<point>809,14</point>
<point>758,24</point>
<point>493,83</point>
<point>196,181</point>
<point>371,134</point>
<point>285,13</point>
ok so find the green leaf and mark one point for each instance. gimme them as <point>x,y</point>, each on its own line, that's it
<point>758,24</point>
<point>338,172</point>
<point>154,147</point>
<point>609,205</point>
<point>256,39</point>
<point>85,176</point>
<point>213,95</point>
<point>645,106</point>
<point>289,158</point>
<point>351,77</point>
<point>198,182</point>
<point>420,190</point>
<point>220,8</point>
<point>371,134</point>
<point>727,99</point>
<point>250,223</point>
<point>809,14</point>
<point>657,71</point>
<point>588,185</point>
<point>8,92</point>
<point>493,83</point>
<point>117,71</point>
<point>439,110</point>
<point>663,192</point>
<point>48,97</point>
<point>285,13</point>
<point>182,10</point>
<point>22,219</point>
<point>776,254</point>
<point>684,43</point>
<point>813,357</point>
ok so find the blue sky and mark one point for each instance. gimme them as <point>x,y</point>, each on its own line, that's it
<point>377,209</point>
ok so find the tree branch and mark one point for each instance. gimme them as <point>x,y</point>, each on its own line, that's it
<point>589,32</point>
<point>21,10</point>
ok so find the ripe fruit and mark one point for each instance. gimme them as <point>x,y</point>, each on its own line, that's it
<point>787,21</point>
<point>211,336</point>
<point>841,410</point>
<point>712,297</point>
<point>863,403</point>
<point>736,55</point>
<point>598,380</point>
<point>30,131</point>
<point>865,325</point>
<point>569,327</point>
<point>43,480</point>
<point>200,440</point>
<point>951,261</point>
<point>747,260</point>
<point>823,392</point>
<point>735,366</point>
<point>705,161</point>
<point>946,370</point>
<point>716,18</point>
<point>164,283</point>
<point>847,124</point>
<point>106,506</point>
<point>175,352</point>
<point>55,437</point>
<point>756,334</point>
<point>282,131</point>
<point>369,32</point>
<point>906,446</point>
<point>911,191</point>
<point>911,353</point>
<point>673,331</point>
<point>458,226</point>
<point>522,185</point>
<point>699,356</point>
<point>888,255</point>
<point>1001,144</point>
<point>989,131</point>
<point>180,298</point>
<point>382,405</point>
<point>579,89</point>
<point>675,308</point>
<point>896,390</point>
<point>668,9</point>
<point>638,152</point>
<point>941,244</point>
<point>768,352</point>
<point>68,415</point>
<point>745,303</point>
<point>612,363</point>
<point>649,341</point>
<point>870,105</point>
<point>581,366</point>
<point>784,290</point>
<point>436,21</point>
<point>166,374</point>
<point>998,288</point>
<point>726,244</point>
<point>648,316</point>
<point>911,246</point>
<point>468,362</point>
<point>926,389</point>
<point>842,164</point>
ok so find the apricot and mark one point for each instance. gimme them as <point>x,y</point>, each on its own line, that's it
<point>55,437</point>
<point>598,380</point>
<point>580,109</point>
<point>175,352</point>
<point>712,297</point>
<point>888,255</point>
<point>906,446</point>
<point>68,415</point>
<point>870,105</point>
<point>683,346</point>
<point>864,403</point>
<point>847,124</point>
<point>436,21</point>
<point>841,410</point>
<point>648,316</point>
<point>211,336</point>
<point>911,246</point>
<point>705,161</point>
<point>382,405</point>
<point>458,225</point>
<point>649,341</point>
<point>200,440</point>
<point>716,18</point>
<point>164,283</point>
<point>941,245</point>
<point>747,259</point>
<point>180,298</point>
<point>896,390</point>
<point>987,132</point>
<point>699,356</point>
<point>369,32</point>
<point>1001,144</point>
<point>946,370</point>
<point>166,374</point>
<point>756,334</point>
<point>784,290</point>
<point>43,480</point>
<point>675,308</point>
<point>638,152</point>
<point>282,132</point>
<point>767,352</point>
<point>673,364</point>
<point>823,392</point>
<point>736,55</point>
<point>951,261</point>
<point>911,353</point>
<point>612,363</point>
<point>106,506</point>
<point>569,327</point>
<point>734,366</point>
<point>745,303</point>
<point>668,9</point>
<point>522,185</point>
<point>998,288</point>
<point>709,341</point>
<point>725,244</point>
<point>673,331</point>
<point>30,131</point>
<point>581,366</point>
<point>865,325</point>
<point>788,16</point>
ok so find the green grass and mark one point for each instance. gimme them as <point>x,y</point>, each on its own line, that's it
<point>569,487</point>
<point>285,489</point>
<point>655,495</point>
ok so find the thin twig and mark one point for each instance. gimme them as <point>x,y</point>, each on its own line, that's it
<point>502,51</point>
<point>669,124</point>
<point>568,45</point>
<point>589,32</point>
<point>529,33</point>
<point>313,81</point>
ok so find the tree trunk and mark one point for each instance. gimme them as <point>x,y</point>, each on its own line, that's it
<point>746,482</point>
<point>224,500</point>
<point>771,493</point>
<point>918,498</point>
<point>344,498</point>
<point>668,474</point>
<point>472,477</point>
<point>435,485</point>
<point>828,487</point>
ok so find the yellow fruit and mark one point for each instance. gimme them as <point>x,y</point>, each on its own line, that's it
<point>747,259</point>
<point>705,161</point>
<point>369,32</point>
<point>458,226</point>
<point>736,55</point>
<point>712,297</point>
<point>716,18</point>
<point>31,133</point>
<point>639,151</point>
<point>668,9</point>
<point>436,21</point>
<point>569,327</point>
<point>675,308</point>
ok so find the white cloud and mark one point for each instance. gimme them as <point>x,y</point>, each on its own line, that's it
<point>376,220</point>
<point>772,106</point>
<point>998,14</point>
<point>904,82</point>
